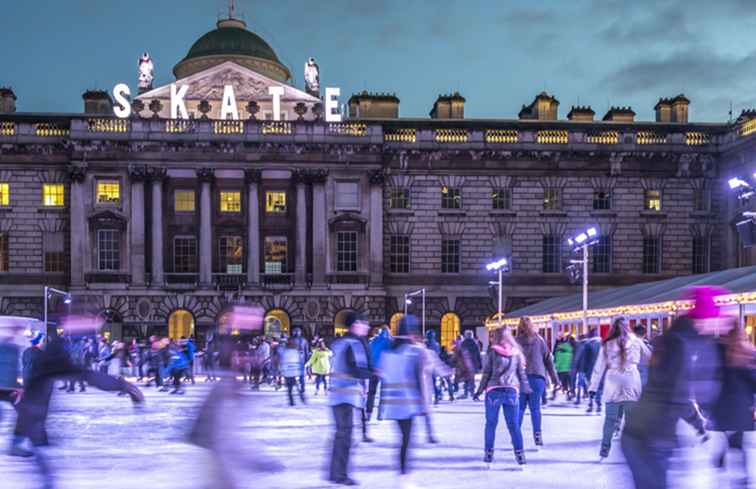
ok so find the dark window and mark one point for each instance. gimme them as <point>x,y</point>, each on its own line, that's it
<point>4,252</point>
<point>602,200</point>
<point>552,254</point>
<point>399,198</point>
<point>109,250</point>
<point>501,198</point>
<point>700,254</point>
<point>652,200</point>
<point>55,255</point>
<point>451,198</point>
<point>651,255</point>
<point>231,251</point>
<point>552,199</point>
<point>346,251</point>
<point>399,254</point>
<point>701,199</point>
<point>602,255</point>
<point>185,254</point>
<point>450,256</point>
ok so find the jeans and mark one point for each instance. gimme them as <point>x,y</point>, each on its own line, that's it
<point>469,387</point>
<point>648,463</point>
<point>437,388</point>
<point>342,441</point>
<point>291,382</point>
<point>533,400</point>
<point>405,426</point>
<point>372,391</point>
<point>507,400</point>
<point>612,417</point>
<point>321,379</point>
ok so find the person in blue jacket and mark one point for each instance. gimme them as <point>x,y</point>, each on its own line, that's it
<point>177,367</point>
<point>432,344</point>
<point>378,345</point>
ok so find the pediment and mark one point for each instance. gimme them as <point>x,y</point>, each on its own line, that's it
<point>107,218</point>
<point>248,85</point>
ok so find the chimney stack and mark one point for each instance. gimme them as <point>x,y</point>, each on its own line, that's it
<point>581,113</point>
<point>449,107</point>
<point>7,100</point>
<point>620,114</point>
<point>680,109</point>
<point>543,108</point>
<point>373,105</point>
<point>97,102</point>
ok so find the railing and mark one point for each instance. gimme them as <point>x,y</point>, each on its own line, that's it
<point>108,125</point>
<point>229,281</point>
<point>604,137</point>
<point>348,278</point>
<point>747,127</point>
<point>182,280</point>
<point>502,136</point>
<point>7,128</point>
<point>277,282</point>
<point>400,135</point>
<point>697,138</point>
<point>179,126</point>
<point>452,135</point>
<point>228,127</point>
<point>552,136</point>
<point>650,137</point>
<point>357,129</point>
<point>107,277</point>
<point>50,129</point>
<point>276,127</point>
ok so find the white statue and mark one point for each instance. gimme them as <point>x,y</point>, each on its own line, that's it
<point>146,72</point>
<point>312,77</point>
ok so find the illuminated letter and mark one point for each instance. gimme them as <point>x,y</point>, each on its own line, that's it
<point>276,92</point>
<point>122,107</point>
<point>228,107</point>
<point>178,107</point>
<point>331,103</point>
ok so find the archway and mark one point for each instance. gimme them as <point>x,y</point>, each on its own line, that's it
<point>180,324</point>
<point>339,328</point>
<point>277,323</point>
<point>394,322</point>
<point>450,328</point>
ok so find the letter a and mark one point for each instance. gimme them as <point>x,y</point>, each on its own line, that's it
<point>228,107</point>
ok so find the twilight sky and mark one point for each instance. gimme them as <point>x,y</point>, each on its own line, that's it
<point>498,53</point>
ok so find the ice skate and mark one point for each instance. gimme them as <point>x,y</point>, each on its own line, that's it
<point>488,459</point>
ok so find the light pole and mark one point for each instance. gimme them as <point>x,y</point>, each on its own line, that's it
<point>48,292</point>
<point>500,266</point>
<point>581,242</point>
<point>408,300</point>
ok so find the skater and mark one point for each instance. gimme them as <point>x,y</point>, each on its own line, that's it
<point>320,362</point>
<point>435,370</point>
<point>448,380</point>
<point>468,363</point>
<point>177,368</point>
<point>563,365</point>
<point>304,354</point>
<point>378,345</point>
<point>538,364</point>
<point>504,382</point>
<point>291,369</point>
<point>403,386</point>
<point>350,367</point>
<point>10,389</point>
<point>585,360</point>
<point>432,345</point>
<point>617,362</point>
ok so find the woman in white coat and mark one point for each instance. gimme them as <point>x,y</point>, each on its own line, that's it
<point>617,365</point>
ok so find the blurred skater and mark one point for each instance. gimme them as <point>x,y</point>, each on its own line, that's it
<point>320,362</point>
<point>291,369</point>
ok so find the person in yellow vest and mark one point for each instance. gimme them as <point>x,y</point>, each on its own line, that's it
<point>320,363</point>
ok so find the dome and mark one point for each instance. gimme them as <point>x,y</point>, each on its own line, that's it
<point>232,41</point>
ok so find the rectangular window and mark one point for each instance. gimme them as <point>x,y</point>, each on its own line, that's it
<point>701,199</point>
<point>276,254</point>
<point>54,252</point>
<point>449,256</point>
<point>347,195</point>
<point>4,240</point>
<point>231,253</point>
<point>701,254</point>
<point>399,254</point>
<point>451,198</point>
<point>108,192</point>
<point>501,199</point>
<point>185,254</point>
<point>53,195</point>
<point>602,255</point>
<point>552,199</point>
<point>275,202</point>
<point>602,200</point>
<point>346,251</point>
<point>399,198</point>
<point>108,250</point>
<point>651,255</point>
<point>183,200</point>
<point>652,200</point>
<point>552,254</point>
<point>4,194</point>
<point>230,201</point>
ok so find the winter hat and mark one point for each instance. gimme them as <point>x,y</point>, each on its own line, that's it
<point>37,338</point>
<point>408,326</point>
<point>352,317</point>
<point>704,306</point>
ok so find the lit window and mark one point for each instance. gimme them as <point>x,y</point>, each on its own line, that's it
<point>552,199</point>
<point>183,200</point>
<point>108,192</point>
<point>449,256</point>
<point>54,252</point>
<point>230,201</point>
<point>450,329</point>
<point>275,202</point>
<point>602,200</point>
<point>346,251</point>
<point>501,199</point>
<point>53,194</point>
<point>185,254</point>
<point>4,240</point>
<point>4,194</point>
<point>276,254</point>
<point>108,250</point>
<point>399,198</point>
<point>399,254</point>
<point>652,200</point>
<point>231,253</point>
<point>451,198</point>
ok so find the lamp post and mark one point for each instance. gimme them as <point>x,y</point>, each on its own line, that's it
<point>582,242</point>
<point>500,266</point>
<point>48,292</point>
<point>408,300</point>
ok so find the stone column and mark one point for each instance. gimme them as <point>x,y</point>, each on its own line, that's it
<point>79,228</point>
<point>319,227</point>
<point>206,177</point>
<point>157,176</point>
<point>300,178</point>
<point>137,175</point>
<point>253,177</point>
<point>375,231</point>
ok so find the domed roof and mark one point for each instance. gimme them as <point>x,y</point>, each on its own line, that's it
<point>231,38</point>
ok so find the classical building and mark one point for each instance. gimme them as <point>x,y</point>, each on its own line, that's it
<point>160,224</point>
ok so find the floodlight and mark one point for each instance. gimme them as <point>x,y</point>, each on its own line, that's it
<point>592,232</point>
<point>581,238</point>
<point>737,182</point>
<point>408,301</point>
<point>67,299</point>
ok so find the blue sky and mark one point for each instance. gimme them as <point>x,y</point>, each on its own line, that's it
<point>498,53</point>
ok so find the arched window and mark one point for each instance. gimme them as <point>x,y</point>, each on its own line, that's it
<point>450,328</point>
<point>277,323</point>
<point>180,323</point>
<point>394,323</point>
<point>339,328</point>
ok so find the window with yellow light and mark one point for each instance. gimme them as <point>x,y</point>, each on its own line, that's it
<point>53,195</point>
<point>652,200</point>
<point>4,194</point>
<point>108,192</point>
<point>275,202</point>
<point>394,323</point>
<point>230,201</point>
<point>183,200</point>
<point>450,328</point>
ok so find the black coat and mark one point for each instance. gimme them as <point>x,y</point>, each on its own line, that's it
<point>733,410</point>
<point>472,348</point>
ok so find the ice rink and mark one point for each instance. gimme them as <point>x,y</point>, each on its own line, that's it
<point>101,441</point>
